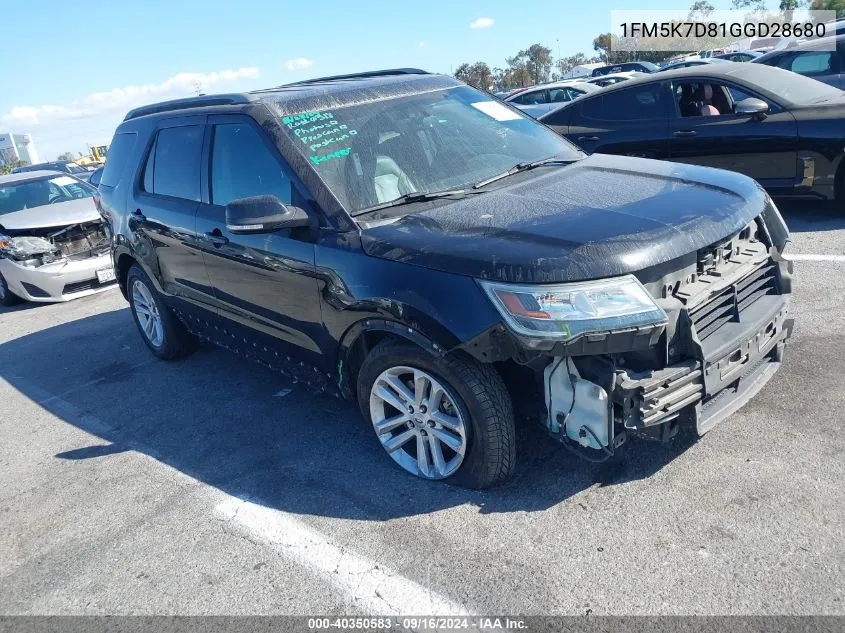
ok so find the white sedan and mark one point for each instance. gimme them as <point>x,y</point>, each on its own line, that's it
<point>53,244</point>
<point>538,100</point>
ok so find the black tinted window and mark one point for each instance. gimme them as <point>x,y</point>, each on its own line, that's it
<point>119,151</point>
<point>243,166</point>
<point>149,169</point>
<point>177,162</point>
<point>532,97</point>
<point>641,102</point>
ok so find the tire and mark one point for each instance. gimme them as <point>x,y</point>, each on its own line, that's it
<point>473,394</point>
<point>7,297</point>
<point>168,339</point>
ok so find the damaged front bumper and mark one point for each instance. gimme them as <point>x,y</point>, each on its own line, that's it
<point>726,330</point>
<point>708,390</point>
<point>59,281</point>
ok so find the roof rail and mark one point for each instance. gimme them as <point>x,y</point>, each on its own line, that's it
<point>187,103</point>
<point>364,75</point>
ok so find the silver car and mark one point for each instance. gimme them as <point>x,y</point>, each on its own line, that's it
<point>538,100</point>
<point>53,244</point>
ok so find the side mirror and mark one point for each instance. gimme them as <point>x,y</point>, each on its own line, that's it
<point>751,106</point>
<point>263,214</point>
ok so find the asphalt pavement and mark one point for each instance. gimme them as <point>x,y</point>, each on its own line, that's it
<point>213,486</point>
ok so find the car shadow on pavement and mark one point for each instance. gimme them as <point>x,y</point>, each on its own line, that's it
<point>813,215</point>
<point>250,433</point>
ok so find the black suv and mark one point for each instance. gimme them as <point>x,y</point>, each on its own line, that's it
<point>442,259</point>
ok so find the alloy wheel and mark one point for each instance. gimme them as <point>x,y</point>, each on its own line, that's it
<point>146,311</point>
<point>418,423</point>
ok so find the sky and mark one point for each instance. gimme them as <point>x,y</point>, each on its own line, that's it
<point>73,68</point>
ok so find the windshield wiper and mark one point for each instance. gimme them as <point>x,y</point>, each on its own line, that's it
<point>417,196</point>
<point>520,167</point>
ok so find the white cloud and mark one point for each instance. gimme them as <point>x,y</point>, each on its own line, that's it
<point>423,43</point>
<point>300,63</point>
<point>58,128</point>
<point>481,23</point>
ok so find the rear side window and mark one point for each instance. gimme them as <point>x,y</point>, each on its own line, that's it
<point>243,166</point>
<point>121,148</point>
<point>633,104</point>
<point>173,165</point>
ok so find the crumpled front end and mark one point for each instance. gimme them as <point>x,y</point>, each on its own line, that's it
<point>57,264</point>
<point>724,337</point>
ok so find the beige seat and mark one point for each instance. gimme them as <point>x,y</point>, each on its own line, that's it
<point>390,181</point>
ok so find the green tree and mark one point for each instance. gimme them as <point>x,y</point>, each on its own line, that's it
<point>830,5</point>
<point>477,75</point>
<point>700,8</point>
<point>539,62</point>
<point>518,73</point>
<point>8,164</point>
<point>565,65</point>
<point>754,5</point>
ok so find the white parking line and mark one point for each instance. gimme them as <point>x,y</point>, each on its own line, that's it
<point>367,585</point>
<point>815,258</point>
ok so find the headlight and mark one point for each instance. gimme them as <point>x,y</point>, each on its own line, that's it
<point>26,247</point>
<point>567,311</point>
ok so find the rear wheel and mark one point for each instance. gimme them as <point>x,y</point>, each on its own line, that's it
<point>7,297</point>
<point>160,329</point>
<point>439,418</point>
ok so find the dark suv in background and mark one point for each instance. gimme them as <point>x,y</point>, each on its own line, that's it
<point>439,257</point>
<point>822,59</point>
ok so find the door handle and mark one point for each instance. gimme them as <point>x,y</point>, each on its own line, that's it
<point>217,238</point>
<point>684,133</point>
<point>137,214</point>
<point>588,138</point>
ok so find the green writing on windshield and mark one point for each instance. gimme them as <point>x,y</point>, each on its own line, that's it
<point>320,131</point>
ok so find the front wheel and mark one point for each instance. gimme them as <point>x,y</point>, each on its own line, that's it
<point>166,337</point>
<point>439,418</point>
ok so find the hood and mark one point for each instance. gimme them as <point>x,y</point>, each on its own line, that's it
<point>56,215</point>
<point>600,217</point>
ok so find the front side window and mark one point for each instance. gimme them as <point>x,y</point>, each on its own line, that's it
<point>242,166</point>
<point>706,99</point>
<point>446,139</point>
<point>176,166</point>
<point>39,193</point>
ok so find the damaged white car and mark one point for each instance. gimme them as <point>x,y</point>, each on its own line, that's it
<point>53,245</point>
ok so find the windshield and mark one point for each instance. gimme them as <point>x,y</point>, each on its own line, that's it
<point>372,153</point>
<point>73,168</point>
<point>38,193</point>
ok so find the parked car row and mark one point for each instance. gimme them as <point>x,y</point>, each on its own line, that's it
<point>782,129</point>
<point>823,60</point>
